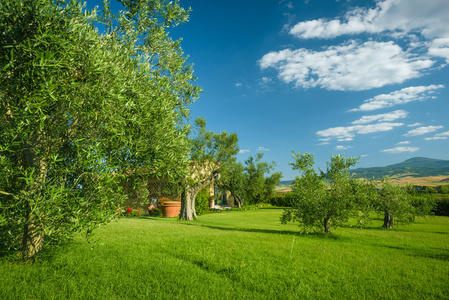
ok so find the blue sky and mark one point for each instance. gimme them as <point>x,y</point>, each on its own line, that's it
<point>362,78</point>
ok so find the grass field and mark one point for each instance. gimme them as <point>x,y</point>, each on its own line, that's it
<point>239,255</point>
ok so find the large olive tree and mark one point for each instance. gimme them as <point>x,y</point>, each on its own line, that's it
<point>79,107</point>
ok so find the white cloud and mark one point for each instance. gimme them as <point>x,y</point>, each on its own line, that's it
<point>262,149</point>
<point>393,16</point>
<point>439,136</point>
<point>402,96</point>
<point>403,143</point>
<point>238,84</point>
<point>423,130</point>
<point>401,149</point>
<point>414,125</point>
<point>353,66</point>
<point>342,147</point>
<point>243,151</point>
<point>348,133</point>
<point>446,133</point>
<point>387,117</point>
<point>439,47</point>
<point>436,138</point>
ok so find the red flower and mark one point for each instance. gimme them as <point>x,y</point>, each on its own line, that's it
<point>129,210</point>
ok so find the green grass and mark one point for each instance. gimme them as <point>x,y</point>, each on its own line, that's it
<point>239,255</point>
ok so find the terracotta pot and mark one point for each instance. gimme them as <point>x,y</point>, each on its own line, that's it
<point>171,209</point>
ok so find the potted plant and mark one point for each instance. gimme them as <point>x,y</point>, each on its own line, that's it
<point>170,208</point>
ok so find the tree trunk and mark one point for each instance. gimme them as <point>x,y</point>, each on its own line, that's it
<point>33,236</point>
<point>186,206</point>
<point>388,220</point>
<point>327,225</point>
<point>188,195</point>
<point>239,202</point>
<point>33,230</point>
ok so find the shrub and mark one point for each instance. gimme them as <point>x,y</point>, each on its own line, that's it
<point>442,206</point>
<point>132,213</point>
<point>285,200</point>
<point>202,201</point>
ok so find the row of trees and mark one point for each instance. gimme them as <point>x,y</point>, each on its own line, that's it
<point>250,182</point>
<point>323,198</point>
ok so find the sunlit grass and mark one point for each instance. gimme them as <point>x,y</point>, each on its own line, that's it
<point>237,255</point>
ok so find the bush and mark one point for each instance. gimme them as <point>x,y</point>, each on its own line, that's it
<point>442,206</point>
<point>131,213</point>
<point>285,200</point>
<point>202,202</point>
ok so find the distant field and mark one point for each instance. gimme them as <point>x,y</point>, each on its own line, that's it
<point>429,181</point>
<point>425,181</point>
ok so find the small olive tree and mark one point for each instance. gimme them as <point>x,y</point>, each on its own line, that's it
<point>396,203</point>
<point>325,198</point>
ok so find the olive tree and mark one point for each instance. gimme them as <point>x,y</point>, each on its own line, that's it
<point>234,180</point>
<point>395,203</point>
<point>79,108</point>
<point>210,154</point>
<point>325,198</point>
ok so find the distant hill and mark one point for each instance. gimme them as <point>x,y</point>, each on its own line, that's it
<point>414,167</point>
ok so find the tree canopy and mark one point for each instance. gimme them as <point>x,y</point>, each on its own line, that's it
<point>321,199</point>
<point>210,155</point>
<point>79,107</point>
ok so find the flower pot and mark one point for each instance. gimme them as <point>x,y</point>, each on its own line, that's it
<point>171,209</point>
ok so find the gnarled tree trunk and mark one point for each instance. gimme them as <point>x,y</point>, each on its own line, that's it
<point>188,196</point>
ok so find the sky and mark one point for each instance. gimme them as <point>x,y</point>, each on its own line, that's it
<point>357,77</point>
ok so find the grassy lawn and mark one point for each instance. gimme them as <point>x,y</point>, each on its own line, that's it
<point>239,255</point>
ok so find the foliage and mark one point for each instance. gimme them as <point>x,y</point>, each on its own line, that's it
<point>396,203</point>
<point>155,211</point>
<point>327,198</point>
<point>285,200</point>
<point>133,213</point>
<point>260,187</point>
<point>442,206</point>
<point>76,104</point>
<point>202,201</point>
<point>234,180</point>
<point>210,154</point>
<point>250,182</point>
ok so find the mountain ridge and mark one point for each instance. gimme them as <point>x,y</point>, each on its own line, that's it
<point>413,167</point>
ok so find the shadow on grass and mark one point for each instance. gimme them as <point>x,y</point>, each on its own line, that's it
<point>268,231</point>
<point>434,253</point>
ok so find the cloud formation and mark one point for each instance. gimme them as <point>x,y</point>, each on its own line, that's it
<point>340,147</point>
<point>439,136</point>
<point>423,130</point>
<point>263,149</point>
<point>352,66</point>
<point>243,151</point>
<point>345,134</point>
<point>402,96</point>
<point>393,16</point>
<point>401,149</point>
<point>411,37</point>
<point>387,117</point>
